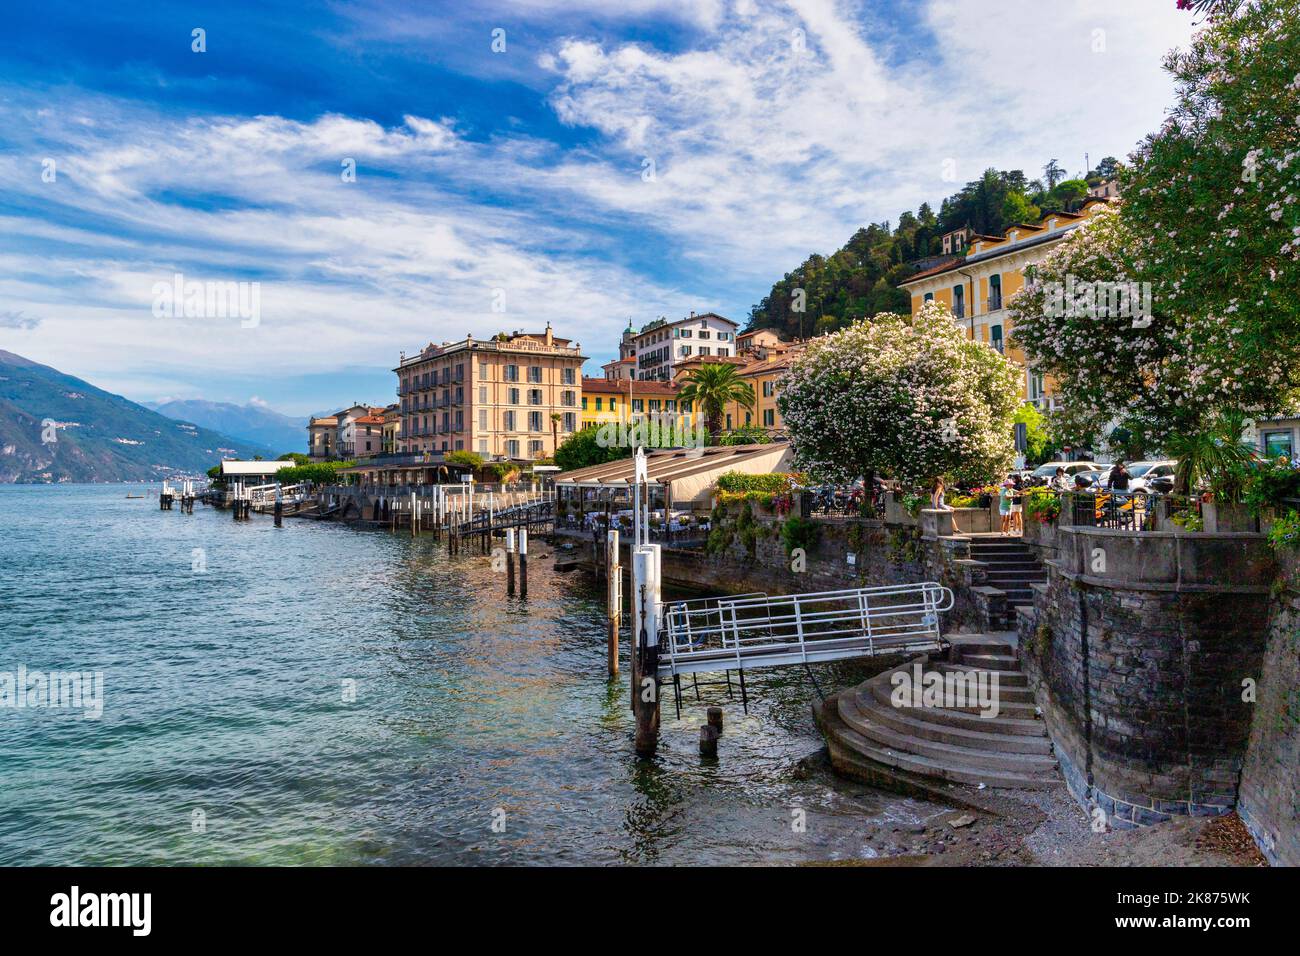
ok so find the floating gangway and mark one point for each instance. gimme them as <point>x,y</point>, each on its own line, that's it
<point>759,630</point>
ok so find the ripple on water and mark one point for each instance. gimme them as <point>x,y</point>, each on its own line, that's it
<point>224,695</point>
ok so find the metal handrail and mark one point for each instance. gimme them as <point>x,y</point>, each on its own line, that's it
<point>756,629</point>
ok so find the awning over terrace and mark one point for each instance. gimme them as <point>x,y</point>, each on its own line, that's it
<point>687,474</point>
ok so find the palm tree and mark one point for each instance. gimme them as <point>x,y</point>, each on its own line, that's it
<point>711,387</point>
<point>556,418</point>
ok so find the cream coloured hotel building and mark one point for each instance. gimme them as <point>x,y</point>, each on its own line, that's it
<point>496,397</point>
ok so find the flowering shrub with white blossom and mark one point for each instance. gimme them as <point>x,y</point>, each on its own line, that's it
<point>1211,218</point>
<point>907,396</point>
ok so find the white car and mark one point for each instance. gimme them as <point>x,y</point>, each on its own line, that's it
<point>1142,472</point>
<point>1047,472</point>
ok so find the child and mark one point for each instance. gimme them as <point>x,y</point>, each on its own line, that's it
<point>1004,505</point>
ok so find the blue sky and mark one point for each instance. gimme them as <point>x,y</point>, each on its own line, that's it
<point>512,178</point>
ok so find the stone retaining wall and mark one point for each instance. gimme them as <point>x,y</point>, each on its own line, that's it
<point>1137,649</point>
<point>1269,798</point>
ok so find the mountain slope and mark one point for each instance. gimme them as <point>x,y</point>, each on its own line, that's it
<point>55,427</point>
<point>253,423</point>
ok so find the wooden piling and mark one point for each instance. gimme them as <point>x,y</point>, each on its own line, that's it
<point>279,513</point>
<point>708,740</point>
<point>523,562</point>
<point>613,598</point>
<point>715,718</point>
<point>510,561</point>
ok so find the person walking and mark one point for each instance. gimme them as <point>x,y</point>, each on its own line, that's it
<point>1004,505</point>
<point>1017,504</point>
<point>1060,481</point>
<point>1118,478</point>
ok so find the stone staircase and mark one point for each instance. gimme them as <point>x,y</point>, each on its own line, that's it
<point>915,748</point>
<point>1013,568</point>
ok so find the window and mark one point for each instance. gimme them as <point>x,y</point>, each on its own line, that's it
<point>655,404</point>
<point>728,423</point>
<point>483,370</point>
<point>638,405</point>
<point>482,419</point>
<point>584,403</point>
<point>684,333</point>
<point>724,336</point>
<point>534,373</point>
<point>482,394</point>
<point>704,333</point>
<point>612,402</point>
<point>567,376</point>
<point>685,350</point>
<point>769,417</point>
<point>1035,386</point>
<point>996,337</point>
<point>514,396</point>
<point>534,421</point>
<point>598,402</point>
<point>508,421</point>
<point>512,373</point>
<point>958,301</point>
<point>704,350</point>
<point>768,388</point>
<point>535,447</point>
<point>512,447</point>
<point>724,352</point>
<point>570,422</point>
<point>995,294</point>
<point>534,396</point>
<point>686,408</point>
<point>1278,443</point>
<point>671,404</point>
<point>482,446</point>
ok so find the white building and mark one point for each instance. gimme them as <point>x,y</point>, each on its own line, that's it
<point>661,345</point>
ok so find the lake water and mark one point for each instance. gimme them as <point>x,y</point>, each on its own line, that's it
<point>225,737</point>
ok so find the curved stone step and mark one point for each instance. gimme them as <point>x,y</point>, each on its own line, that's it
<point>1005,678</point>
<point>991,662</point>
<point>1025,709</point>
<point>957,718</point>
<point>903,721</point>
<point>947,754</point>
<point>849,738</point>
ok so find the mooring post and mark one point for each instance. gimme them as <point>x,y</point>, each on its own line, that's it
<point>708,740</point>
<point>715,719</point>
<point>523,562</point>
<point>645,672</point>
<point>412,514</point>
<point>510,561</point>
<point>613,596</point>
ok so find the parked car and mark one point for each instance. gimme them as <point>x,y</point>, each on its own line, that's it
<point>1044,474</point>
<point>1144,472</point>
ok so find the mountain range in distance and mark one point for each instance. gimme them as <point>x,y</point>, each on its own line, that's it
<point>55,427</point>
<point>255,423</point>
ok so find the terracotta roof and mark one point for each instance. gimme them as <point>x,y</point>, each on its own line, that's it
<point>369,420</point>
<point>331,420</point>
<point>622,386</point>
<point>934,270</point>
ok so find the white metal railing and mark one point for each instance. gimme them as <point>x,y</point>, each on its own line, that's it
<point>754,630</point>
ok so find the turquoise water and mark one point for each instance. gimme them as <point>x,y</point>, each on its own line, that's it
<point>225,737</point>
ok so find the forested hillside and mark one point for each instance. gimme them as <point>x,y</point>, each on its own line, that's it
<point>861,278</point>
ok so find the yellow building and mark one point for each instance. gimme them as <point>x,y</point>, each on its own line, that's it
<point>622,400</point>
<point>977,285</point>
